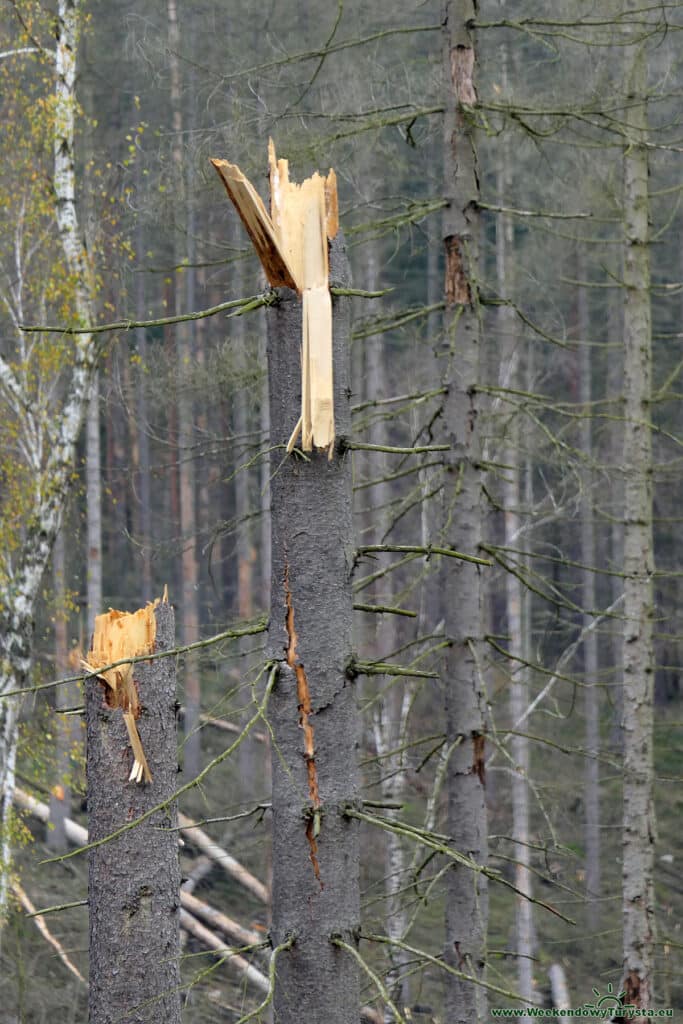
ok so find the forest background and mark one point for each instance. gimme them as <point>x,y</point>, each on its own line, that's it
<point>172,480</point>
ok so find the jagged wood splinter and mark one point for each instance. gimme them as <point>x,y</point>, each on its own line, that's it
<point>291,244</point>
<point>119,635</point>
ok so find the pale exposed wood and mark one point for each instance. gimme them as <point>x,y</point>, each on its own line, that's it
<point>318,408</point>
<point>120,635</point>
<point>39,921</point>
<point>292,246</point>
<point>304,217</point>
<point>249,205</point>
<point>232,867</point>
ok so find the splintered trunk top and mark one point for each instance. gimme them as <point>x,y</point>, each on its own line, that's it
<point>134,879</point>
<point>291,244</point>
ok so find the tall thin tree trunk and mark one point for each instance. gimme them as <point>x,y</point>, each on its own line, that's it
<point>389,718</point>
<point>144,490</point>
<point>516,594</point>
<point>189,622</point>
<point>264,480</point>
<point>615,386</point>
<point>134,880</point>
<point>312,710</point>
<point>93,490</point>
<point>65,726</point>
<point>467,897</point>
<point>591,703</point>
<point>639,821</point>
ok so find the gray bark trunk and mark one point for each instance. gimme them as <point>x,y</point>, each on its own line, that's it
<point>390,717</point>
<point>312,709</point>
<point>591,703</point>
<point>134,880</point>
<point>517,596</point>
<point>93,478</point>
<point>638,653</point>
<point>466,899</point>
<point>614,454</point>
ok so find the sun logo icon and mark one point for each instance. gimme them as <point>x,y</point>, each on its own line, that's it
<point>611,999</point>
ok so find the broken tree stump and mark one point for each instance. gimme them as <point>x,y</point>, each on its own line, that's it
<point>312,710</point>
<point>134,880</point>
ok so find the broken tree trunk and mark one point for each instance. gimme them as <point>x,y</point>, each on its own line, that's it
<point>316,897</point>
<point>312,709</point>
<point>134,880</point>
<point>292,245</point>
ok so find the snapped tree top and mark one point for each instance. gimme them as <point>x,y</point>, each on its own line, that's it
<point>291,244</point>
<point>119,635</point>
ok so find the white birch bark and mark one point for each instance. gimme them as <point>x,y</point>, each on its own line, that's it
<point>50,443</point>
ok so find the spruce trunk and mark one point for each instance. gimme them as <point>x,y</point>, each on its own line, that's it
<point>466,897</point>
<point>134,880</point>
<point>312,709</point>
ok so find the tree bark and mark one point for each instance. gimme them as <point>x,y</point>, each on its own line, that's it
<point>638,653</point>
<point>466,898</point>
<point>517,596</point>
<point>67,728</point>
<point>134,880</point>
<point>189,621</point>
<point>93,489</point>
<point>312,708</point>
<point>591,703</point>
<point>57,436</point>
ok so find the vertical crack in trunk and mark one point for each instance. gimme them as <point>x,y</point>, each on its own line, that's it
<point>305,714</point>
<point>479,756</point>
<point>462,75</point>
<point>457,289</point>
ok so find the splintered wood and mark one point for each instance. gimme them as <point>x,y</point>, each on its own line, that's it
<point>292,246</point>
<point>120,635</point>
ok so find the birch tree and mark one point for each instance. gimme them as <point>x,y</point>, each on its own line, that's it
<point>44,406</point>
